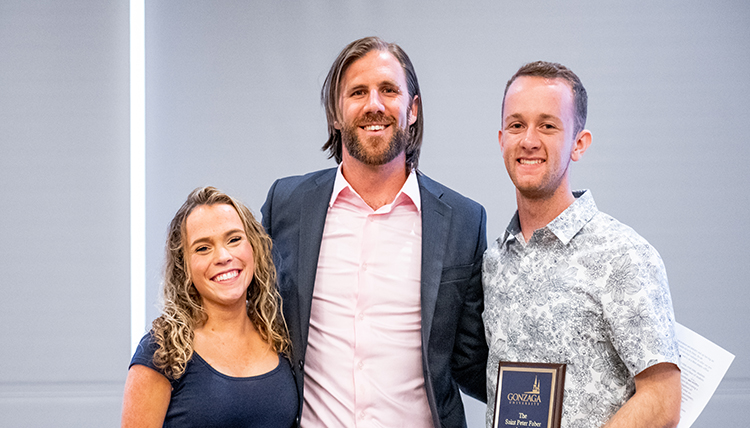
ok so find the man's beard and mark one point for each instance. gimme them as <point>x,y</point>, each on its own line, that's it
<point>364,154</point>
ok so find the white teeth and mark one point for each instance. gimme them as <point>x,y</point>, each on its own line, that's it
<point>529,162</point>
<point>374,127</point>
<point>226,276</point>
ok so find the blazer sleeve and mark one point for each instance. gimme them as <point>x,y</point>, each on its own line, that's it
<point>469,361</point>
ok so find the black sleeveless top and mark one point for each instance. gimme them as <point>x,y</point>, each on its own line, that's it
<point>205,398</point>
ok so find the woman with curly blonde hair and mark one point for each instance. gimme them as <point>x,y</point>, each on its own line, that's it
<point>214,358</point>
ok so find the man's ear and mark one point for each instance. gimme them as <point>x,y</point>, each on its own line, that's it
<point>500,140</point>
<point>414,110</point>
<point>583,141</point>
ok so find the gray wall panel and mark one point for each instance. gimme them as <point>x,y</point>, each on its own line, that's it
<point>233,101</point>
<point>65,212</point>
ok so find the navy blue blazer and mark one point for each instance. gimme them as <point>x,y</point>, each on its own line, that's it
<point>454,350</point>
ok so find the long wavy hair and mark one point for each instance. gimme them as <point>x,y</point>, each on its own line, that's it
<point>183,309</point>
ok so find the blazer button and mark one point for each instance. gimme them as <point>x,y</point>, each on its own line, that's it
<point>301,365</point>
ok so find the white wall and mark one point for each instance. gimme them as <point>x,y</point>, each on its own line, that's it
<point>233,101</point>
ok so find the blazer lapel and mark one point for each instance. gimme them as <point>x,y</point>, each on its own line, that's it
<point>436,218</point>
<point>312,215</point>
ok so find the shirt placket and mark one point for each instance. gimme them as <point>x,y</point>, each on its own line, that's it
<point>362,326</point>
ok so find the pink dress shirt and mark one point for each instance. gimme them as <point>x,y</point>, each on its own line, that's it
<point>363,364</point>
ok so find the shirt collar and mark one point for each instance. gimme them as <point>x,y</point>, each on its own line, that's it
<point>410,189</point>
<point>578,214</point>
<point>566,225</point>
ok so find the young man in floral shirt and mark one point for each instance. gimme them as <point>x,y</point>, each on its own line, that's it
<point>569,284</point>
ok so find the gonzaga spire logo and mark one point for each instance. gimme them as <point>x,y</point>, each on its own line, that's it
<point>529,398</point>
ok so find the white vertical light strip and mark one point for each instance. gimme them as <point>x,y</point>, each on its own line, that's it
<point>137,172</point>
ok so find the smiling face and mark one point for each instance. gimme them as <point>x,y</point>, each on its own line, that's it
<point>375,109</point>
<point>220,257</point>
<point>537,137</point>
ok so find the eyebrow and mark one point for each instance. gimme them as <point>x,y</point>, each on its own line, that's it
<point>207,239</point>
<point>354,88</point>
<point>549,116</point>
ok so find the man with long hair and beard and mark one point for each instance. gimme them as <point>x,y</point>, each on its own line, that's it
<point>379,266</point>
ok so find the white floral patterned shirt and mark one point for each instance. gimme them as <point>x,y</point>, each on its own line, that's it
<point>587,291</point>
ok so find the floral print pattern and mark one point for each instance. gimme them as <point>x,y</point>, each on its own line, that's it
<point>587,291</point>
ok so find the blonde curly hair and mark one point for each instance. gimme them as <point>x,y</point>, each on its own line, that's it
<point>183,311</point>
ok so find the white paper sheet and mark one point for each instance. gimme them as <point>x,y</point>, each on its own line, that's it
<point>703,365</point>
